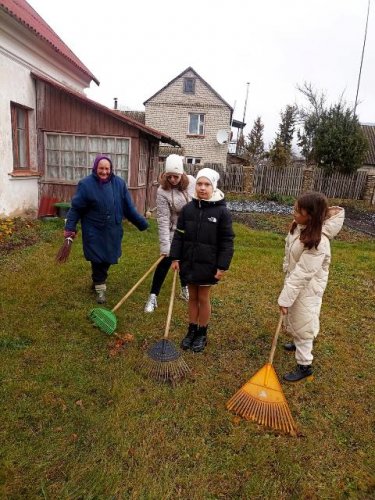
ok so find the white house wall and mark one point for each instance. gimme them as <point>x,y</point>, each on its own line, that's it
<point>20,53</point>
<point>16,194</point>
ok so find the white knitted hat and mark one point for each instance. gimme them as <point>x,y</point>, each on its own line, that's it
<point>211,175</point>
<point>174,165</point>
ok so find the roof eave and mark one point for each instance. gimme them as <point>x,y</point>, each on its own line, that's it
<point>116,114</point>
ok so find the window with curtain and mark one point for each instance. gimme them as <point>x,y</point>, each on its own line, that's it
<point>196,124</point>
<point>143,162</point>
<point>70,157</point>
<point>20,137</point>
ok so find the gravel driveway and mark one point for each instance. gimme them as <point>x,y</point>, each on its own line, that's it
<point>363,222</point>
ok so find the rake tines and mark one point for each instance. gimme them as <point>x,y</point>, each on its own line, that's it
<point>105,320</point>
<point>262,399</point>
<point>274,415</point>
<point>165,363</point>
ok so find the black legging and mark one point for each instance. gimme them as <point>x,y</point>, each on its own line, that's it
<point>99,272</point>
<point>161,272</point>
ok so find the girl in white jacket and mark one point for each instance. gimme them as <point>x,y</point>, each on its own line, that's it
<point>306,264</point>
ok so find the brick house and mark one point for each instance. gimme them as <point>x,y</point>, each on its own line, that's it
<point>191,111</point>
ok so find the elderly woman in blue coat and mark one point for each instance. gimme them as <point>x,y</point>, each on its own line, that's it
<point>101,202</point>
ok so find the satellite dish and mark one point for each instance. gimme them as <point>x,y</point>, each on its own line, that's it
<point>222,136</point>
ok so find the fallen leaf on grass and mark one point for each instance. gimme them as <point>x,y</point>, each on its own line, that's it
<point>128,337</point>
<point>120,343</point>
<point>236,420</point>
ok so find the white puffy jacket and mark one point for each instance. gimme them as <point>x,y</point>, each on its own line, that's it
<point>169,204</point>
<point>307,276</point>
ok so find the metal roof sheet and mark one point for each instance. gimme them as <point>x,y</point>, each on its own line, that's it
<point>116,114</point>
<point>369,131</point>
<point>26,15</point>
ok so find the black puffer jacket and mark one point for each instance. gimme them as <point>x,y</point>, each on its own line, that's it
<point>203,241</point>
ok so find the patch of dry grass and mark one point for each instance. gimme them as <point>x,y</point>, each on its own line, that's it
<point>81,422</point>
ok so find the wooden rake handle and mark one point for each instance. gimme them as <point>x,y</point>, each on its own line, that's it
<point>138,283</point>
<point>170,308</point>
<point>276,336</point>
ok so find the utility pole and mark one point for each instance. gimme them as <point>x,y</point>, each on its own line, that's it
<point>363,52</point>
<point>244,115</point>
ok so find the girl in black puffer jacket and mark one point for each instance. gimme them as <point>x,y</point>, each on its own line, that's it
<point>202,249</point>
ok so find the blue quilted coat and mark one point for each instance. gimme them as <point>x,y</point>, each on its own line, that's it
<point>101,208</point>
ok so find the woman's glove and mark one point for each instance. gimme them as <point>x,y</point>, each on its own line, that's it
<point>70,234</point>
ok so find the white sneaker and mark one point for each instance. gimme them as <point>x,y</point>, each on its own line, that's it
<point>184,293</point>
<point>151,303</point>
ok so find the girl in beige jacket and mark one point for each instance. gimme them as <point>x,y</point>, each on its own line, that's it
<point>175,190</point>
<point>306,264</point>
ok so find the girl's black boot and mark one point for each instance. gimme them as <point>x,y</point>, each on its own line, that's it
<point>301,372</point>
<point>200,339</point>
<point>187,342</point>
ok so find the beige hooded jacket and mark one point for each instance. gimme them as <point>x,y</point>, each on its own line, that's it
<point>169,204</point>
<point>307,276</point>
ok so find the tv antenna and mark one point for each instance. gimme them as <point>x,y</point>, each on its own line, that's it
<point>222,136</point>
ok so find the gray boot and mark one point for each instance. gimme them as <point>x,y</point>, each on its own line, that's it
<point>100,293</point>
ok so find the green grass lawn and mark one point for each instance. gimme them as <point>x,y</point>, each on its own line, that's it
<point>80,420</point>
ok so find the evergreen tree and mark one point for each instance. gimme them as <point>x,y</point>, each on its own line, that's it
<point>331,137</point>
<point>287,126</point>
<point>339,142</point>
<point>279,154</point>
<point>280,151</point>
<point>254,146</point>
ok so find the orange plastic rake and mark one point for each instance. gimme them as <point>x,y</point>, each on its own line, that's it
<point>262,399</point>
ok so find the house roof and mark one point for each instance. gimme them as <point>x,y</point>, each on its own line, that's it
<point>190,69</point>
<point>369,131</point>
<point>22,12</point>
<point>139,116</point>
<point>238,124</point>
<point>115,114</point>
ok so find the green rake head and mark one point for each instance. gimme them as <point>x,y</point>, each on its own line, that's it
<point>103,319</point>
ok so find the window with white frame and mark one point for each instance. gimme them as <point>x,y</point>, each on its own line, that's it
<point>192,160</point>
<point>196,124</point>
<point>70,157</point>
<point>20,137</point>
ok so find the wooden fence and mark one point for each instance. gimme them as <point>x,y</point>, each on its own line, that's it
<point>286,180</point>
<point>233,179</point>
<point>348,186</point>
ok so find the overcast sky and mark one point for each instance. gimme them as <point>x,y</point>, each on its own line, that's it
<point>136,47</point>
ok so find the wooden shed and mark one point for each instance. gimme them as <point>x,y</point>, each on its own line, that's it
<point>72,130</point>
